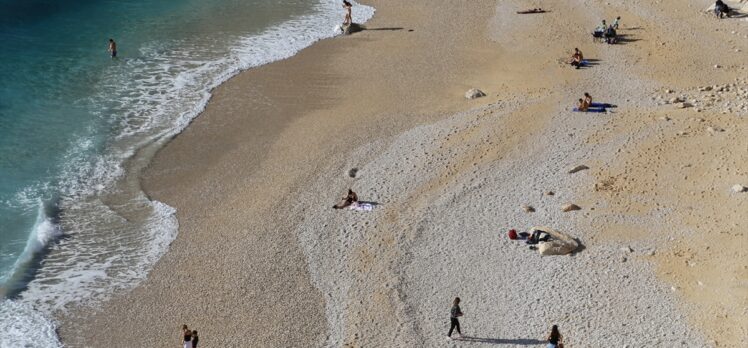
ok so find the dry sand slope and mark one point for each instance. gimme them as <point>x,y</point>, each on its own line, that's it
<point>664,261</point>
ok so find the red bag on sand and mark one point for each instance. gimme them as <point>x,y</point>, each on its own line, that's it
<point>512,234</point>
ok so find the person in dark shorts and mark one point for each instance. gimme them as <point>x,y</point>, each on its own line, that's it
<point>454,313</point>
<point>113,48</point>
<point>186,337</point>
<point>195,339</point>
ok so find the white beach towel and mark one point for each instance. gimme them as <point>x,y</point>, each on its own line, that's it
<point>357,206</point>
<point>560,243</point>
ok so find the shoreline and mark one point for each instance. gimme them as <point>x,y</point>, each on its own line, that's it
<point>322,51</point>
<point>320,277</point>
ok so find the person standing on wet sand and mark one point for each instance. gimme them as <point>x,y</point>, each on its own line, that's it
<point>348,18</point>
<point>112,48</point>
<point>453,321</point>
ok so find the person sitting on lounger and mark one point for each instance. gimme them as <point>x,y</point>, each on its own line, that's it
<point>347,200</point>
<point>577,58</point>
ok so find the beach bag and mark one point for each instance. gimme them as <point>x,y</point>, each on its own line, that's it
<point>512,234</point>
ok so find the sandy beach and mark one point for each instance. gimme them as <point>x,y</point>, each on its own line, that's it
<point>261,260</point>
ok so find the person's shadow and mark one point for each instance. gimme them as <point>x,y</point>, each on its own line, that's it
<point>514,341</point>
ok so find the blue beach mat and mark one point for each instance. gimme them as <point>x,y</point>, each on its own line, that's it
<point>591,109</point>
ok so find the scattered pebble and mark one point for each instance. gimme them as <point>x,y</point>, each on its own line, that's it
<point>527,208</point>
<point>569,207</point>
<point>578,168</point>
<point>474,93</point>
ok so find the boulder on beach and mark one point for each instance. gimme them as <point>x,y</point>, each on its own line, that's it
<point>474,93</point>
<point>569,207</point>
<point>560,243</point>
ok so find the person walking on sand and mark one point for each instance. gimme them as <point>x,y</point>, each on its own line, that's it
<point>112,48</point>
<point>555,340</point>
<point>195,339</point>
<point>348,17</point>
<point>186,337</point>
<point>455,313</point>
<point>617,22</point>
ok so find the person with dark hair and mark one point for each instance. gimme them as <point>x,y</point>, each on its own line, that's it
<point>455,313</point>
<point>186,337</point>
<point>611,36</point>
<point>112,48</point>
<point>195,339</point>
<point>351,198</point>
<point>554,338</point>
<point>582,106</point>
<point>577,58</point>
<point>348,17</point>
<point>617,22</point>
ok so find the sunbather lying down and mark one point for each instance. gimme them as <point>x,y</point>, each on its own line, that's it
<point>535,10</point>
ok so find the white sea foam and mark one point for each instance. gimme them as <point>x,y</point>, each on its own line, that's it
<point>23,326</point>
<point>146,100</point>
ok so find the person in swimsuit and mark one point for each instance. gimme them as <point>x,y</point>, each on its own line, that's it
<point>195,339</point>
<point>576,58</point>
<point>554,338</point>
<point>348,17</point>
<point>587,100</point>
<point>186,337</point>
<point>582,106</point>
<point>351,198</point>
<point>454,313</point>
<point>113,48</point>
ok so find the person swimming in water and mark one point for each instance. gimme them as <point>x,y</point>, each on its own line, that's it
<point>112,48</point>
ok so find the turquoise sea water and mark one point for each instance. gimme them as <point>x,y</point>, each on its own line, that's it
<point>77,126</point>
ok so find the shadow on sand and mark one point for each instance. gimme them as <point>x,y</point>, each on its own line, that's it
<point>514,341</point>
<point>355,28</point>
